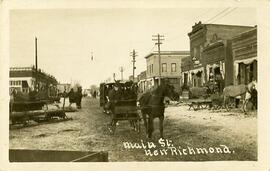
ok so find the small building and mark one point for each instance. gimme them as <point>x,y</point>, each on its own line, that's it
<point>244,54</point>
<point>25,78</point>
<point>169,68</point>
<point>142,81</point>
<point>209,51</point>
<point>63,87</point>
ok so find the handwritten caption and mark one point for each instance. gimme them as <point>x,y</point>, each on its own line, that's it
<point>166,147</point>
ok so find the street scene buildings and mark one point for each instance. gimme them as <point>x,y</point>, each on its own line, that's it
<point>192,97</point>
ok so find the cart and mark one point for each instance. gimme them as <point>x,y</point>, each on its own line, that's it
<point>23,155</point>
<point>125,110</point>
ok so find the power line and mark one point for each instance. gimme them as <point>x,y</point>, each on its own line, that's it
<point>224,15</point>
<point>220,13</point>
<point>141,58</point>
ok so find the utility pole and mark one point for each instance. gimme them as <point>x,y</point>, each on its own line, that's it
<point>36,66</point>
<point>114,76</point>
<point>133,55</point>
<point>92,58</point>
<point>158,38</point>
<point>121,70</point>
<point>36,59</point>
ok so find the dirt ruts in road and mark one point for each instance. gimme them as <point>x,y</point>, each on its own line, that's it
<point>194,129</point>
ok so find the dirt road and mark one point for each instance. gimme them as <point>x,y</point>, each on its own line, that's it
<point>189,136</point>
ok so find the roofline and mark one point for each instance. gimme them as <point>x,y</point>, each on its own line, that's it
<point>168,53</point>
<point>205,25</point>
<point>229,25</point>
<point>245,32</point>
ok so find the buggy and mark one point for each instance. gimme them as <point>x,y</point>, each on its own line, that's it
<point>125,109</point>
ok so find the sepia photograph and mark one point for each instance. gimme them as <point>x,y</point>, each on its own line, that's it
<point>133,84</point>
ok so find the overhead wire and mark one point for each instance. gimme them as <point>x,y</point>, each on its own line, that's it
<point>220,13</point>
<point>224,15</point>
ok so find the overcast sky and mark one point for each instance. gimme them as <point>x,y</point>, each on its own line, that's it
<point>66,38</point>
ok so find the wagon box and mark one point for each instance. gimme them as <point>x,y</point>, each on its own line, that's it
<point>22,155</point>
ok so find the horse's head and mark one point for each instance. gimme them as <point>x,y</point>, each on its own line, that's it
<point>167,90</point>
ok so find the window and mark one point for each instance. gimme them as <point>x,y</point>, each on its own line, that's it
<point>164,67</point>
<point>173,67</point>
<point>152,68</point>
<point>195,52</point>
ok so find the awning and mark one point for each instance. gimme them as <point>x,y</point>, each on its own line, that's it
<point>244,61</point>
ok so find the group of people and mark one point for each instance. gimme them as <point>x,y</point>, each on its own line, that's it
<point>74,97</point>
<point>116,92</point>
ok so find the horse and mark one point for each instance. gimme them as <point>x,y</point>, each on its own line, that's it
<point>248,92</point>
<point>152,105</point>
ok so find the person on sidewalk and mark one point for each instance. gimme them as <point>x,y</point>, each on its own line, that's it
<point>71,96</point>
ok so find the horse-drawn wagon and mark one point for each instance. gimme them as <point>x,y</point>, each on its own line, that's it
<point>25,107</point>
<point>119,99</point>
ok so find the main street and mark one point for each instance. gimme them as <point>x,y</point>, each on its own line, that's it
<point>182,127</point>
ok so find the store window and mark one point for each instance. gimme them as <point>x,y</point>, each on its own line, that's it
<point>164,67</point>
<point>173,67</point>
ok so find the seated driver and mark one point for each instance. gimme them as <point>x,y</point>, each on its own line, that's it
<point>114,96</point>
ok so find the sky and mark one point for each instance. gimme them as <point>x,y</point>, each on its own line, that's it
<point>66,38</point>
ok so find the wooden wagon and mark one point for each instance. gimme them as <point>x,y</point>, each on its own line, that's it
<point>22,155</point>
<point>125,110</point>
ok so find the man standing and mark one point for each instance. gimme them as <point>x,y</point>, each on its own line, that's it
<point>71,96</point>
<point>79,98</point>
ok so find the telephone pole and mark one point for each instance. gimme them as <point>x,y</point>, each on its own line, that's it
<point>92,58</point>
<point>121,70</point>
<point>36,59</point>
<point>133,55</point>
<point>114,76</point>
<point>158,38</point>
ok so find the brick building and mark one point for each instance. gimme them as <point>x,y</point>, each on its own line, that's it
<point>208,53</point>
<point>170,68</point>
<point>25,78</point>
<point>244,54</point>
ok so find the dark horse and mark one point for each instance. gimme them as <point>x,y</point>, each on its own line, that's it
<point>152,105</point>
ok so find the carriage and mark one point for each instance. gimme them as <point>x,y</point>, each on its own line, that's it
<point>25,107</point>
<point>125,108</point>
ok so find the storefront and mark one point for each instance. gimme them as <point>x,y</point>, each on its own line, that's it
<point>245,70</point>
<point>197,77</point>
<point>244,51</point>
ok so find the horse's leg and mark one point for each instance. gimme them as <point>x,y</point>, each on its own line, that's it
<point>150,126</point>
<point>161,119</point>
<point>145,122</point>
<point>244,106</point>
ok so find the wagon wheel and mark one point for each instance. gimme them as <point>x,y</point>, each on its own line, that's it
<point>204,105</point>
<point>229,104</point>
